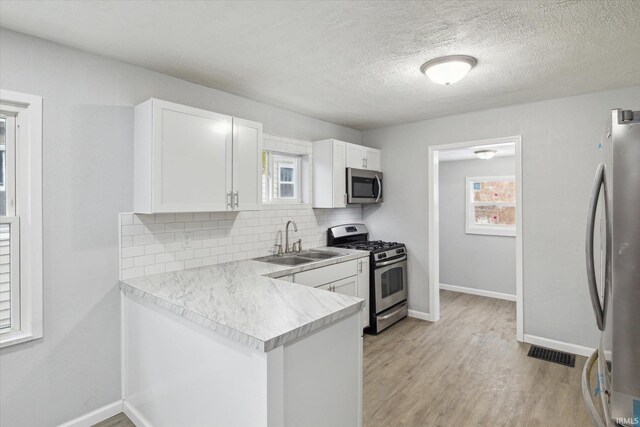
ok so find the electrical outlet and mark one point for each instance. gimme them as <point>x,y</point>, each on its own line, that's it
<point>187,236</point>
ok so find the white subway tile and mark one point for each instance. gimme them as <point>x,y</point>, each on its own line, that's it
<point>141,261</point>
<point>193,263</point>
<point>154,269</point>
<point>131,273</point>
<point>174,266</point>
<point>132,251</point>
<point>144,239</point>
<point>126,241</point>
<point>165,217</point>
<point>174,226</point>
<point>201,216</point>
<point>132,230</point>
<point>184,217</point>
<point>126,219</point>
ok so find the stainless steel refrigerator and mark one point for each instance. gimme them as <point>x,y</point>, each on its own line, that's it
<point>616,298</point>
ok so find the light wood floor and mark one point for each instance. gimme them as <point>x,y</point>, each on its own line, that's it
<point>465,370</point>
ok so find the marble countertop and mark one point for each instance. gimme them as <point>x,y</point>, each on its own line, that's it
<point>246,301</point>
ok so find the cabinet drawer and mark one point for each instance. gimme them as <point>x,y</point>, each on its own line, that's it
<point>323,275</point>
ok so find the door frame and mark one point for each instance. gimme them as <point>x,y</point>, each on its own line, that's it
<point>434,225</point>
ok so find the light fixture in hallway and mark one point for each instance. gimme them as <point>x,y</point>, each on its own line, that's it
<point>485,154</point>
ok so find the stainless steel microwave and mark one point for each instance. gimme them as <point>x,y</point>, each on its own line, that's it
<point>364,186</point>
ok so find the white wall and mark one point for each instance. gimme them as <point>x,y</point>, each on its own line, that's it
<point>88,161</point>
<point>560,152</point>
<point>475,261</point>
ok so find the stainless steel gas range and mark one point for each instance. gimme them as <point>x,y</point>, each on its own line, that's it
<point>387,277</point>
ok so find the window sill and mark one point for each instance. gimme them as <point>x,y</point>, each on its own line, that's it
<point>492,231</point>
<point>17,337</point>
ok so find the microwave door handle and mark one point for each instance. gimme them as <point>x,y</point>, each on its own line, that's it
<point>379,188</point>
<point>591,274</point>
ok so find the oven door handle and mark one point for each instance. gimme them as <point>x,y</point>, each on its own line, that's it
<point>391,261</point>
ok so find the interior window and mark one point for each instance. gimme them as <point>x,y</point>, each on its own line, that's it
<point>491,205</point>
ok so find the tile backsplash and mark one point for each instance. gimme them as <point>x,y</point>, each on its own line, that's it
<point>151,244</point>
<point>161,243</point>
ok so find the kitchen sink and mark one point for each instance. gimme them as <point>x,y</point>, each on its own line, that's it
<point>285,259</point>
<point>299,258</point>
<point>318,255</point>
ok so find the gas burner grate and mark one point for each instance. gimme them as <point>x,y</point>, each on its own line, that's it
<point>559,357</point>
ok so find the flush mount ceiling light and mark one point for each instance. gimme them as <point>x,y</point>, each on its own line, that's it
<point>485,154</point>
<point>448,70</point>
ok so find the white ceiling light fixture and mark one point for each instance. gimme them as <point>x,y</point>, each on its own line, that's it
<point>448,70</point>
<point>485,154</point>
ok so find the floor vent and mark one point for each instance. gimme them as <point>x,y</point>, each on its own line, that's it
<point>566,359</point>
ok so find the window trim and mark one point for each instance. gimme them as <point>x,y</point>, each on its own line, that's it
<point>289,162</point>
<point>29,210</point>
<point>272,164</point>
<point>485,229</point>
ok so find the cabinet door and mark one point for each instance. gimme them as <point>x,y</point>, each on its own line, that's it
<point>347,286</point>
<point>339,175</point>
<point>247,166</point>
<point>355,156</point>
<point>192,159</point>
<point>363,288</point>
<point>373,159</point>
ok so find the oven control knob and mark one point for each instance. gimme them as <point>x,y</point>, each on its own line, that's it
<point>382,256</point>
<point>399,251</point>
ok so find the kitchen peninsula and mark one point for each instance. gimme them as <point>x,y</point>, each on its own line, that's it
<point>239,344</point>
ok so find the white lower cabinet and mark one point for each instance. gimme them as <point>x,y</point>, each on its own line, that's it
<point>347,278</point>
<point>348,286</point>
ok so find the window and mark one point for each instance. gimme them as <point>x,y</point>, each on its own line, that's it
<point>280,177</point>
<point>20,218</point>
<point>491,205</point>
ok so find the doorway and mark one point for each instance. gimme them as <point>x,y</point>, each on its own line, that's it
<point>495,218</point>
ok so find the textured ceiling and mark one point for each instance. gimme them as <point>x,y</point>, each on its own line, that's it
<point>357,63</point>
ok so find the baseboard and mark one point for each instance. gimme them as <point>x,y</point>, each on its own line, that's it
<point>479,292</point>
<point>562,346</point>
<point>94,417</point>
<point>136,417</point>
<point>419,315</point>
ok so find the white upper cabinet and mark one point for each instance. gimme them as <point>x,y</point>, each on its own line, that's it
<point>247,155</point>
<point>329,174</point>
<point>372,159</point>
<point>361,157</point>
<point>192,160</point>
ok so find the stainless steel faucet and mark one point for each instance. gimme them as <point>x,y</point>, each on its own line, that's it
<point>287,249</point>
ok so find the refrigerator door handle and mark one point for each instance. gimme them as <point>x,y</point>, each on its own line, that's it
<point>599,309</point>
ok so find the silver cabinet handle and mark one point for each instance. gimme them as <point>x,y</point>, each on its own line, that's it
<point>600,310</point>
<point>360,266</point>
<point>237,198</point>
<point>229,201</point>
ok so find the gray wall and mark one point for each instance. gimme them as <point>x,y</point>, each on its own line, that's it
<point>88,131</point>
<point>560,154</point>
<point>473,260</point>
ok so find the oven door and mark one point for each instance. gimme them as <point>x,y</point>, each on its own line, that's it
<point>364,186</point>
<point>390,284</point>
